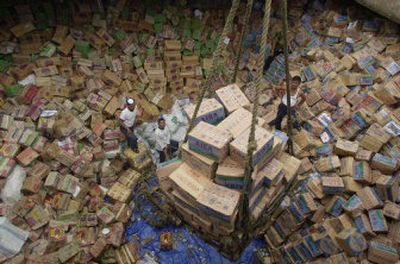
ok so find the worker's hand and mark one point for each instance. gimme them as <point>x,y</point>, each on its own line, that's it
<point>166,153</point>
<point>140,111</point>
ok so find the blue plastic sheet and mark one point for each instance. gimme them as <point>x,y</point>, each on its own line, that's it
<point>188,247</point>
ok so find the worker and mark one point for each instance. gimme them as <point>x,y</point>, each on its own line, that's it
<point>296,92</point>
<point>164,145</point>
<point>127,121</point>
<point>163,138</point>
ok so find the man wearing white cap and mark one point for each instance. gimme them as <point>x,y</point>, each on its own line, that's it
<point>127,121</point>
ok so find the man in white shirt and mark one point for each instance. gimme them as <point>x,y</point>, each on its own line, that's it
<point>127,121</point>
<point>296,94</point>
<point>163,139</point>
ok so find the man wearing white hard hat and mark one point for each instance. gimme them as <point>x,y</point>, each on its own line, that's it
<point>127,121</point>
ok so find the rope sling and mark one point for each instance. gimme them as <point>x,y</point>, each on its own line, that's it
<point>244,220</point>
<point>216,56</point>
<point>246,20</point>
<point>206,86</point>
<point>244,215</point>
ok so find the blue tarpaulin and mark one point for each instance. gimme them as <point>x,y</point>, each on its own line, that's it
<point>188,247</point>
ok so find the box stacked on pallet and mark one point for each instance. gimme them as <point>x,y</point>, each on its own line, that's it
<point>206,186</point>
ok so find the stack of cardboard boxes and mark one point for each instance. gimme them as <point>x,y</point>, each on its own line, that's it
<point>62,89</point>
<point>206,185</point>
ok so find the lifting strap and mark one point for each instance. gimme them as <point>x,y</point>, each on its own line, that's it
<point>216,56</point>
<point>272,211</point>
<point>288,78</point>
<point>245,25</point>
<point>244,215</point>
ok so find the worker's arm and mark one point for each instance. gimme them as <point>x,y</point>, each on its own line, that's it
<point>139,112</point>
<point>166,153</point>
<point>302,97</point>
<point>279,90</point>
<point>121,122</point>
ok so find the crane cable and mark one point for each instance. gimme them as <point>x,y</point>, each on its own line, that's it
<point>246,20</point>
<point>216,56</point>
<point>252,145</point>
<point>286,54</point>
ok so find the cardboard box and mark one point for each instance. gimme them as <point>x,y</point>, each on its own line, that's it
<point>379,252</point>
<point>32,185</point>
<point>232,97</point>
<point>67,252</point>
<point>111,78</point>
<point>237,122</point>
<point>352,242</point>
<point>378,221</point>
<point>37,217</point>
<point>369,198</point>
<point>304,140</point>
<point>332,184</point>
<point>219,202</point>
<point>198,162</point>
<point>6,121</point>
<point>362,172</point>
<point>230,174</point>
<point>139,161</point>
<point>103,34</point>
<point>22,29</point>
<point>391,210</point>
<point>112,106</point>
<point>347,166</point>
<point>67,45</point>
<point>98,247</point>
<point>383,163</point>
<point>88,219</point>
<point>272,174</point>
<point>327,164</point>
<point>363,154</point>
<point>346,147</point>
<point>188,182</point>
<point>127,254</point>
<point>105,215</point>
<point>353,206</point>
<point>27,156</point>
<point>264,141</point>
<point>210,111</point>
<point>122,212</point>
<point>60,34</point>
<point>9,150</point>
<point>129,178</point>
<point>209,141</point>
<point>388,187</point>
<point>363,225</point>
<point>40,170</point>
<point>291,166</point>
<point>164,170</point>
<point>119,192</point>
<point>172,45</point>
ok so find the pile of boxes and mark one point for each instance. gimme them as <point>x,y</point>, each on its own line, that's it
<point>206,184</point>
<point>67,171</point>
<point>347,210</point>
<point>65,71</point>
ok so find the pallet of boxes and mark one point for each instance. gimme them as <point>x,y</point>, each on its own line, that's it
<point>205,185</point>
